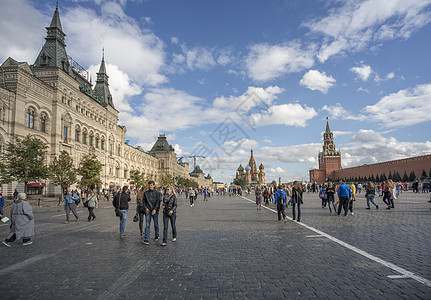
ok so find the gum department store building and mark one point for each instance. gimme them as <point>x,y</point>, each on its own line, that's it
<point>54,101</point>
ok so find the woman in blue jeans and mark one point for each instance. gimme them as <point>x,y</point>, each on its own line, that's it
<point>297,199</point>
<point>370,193</point>
<point>169,206</point>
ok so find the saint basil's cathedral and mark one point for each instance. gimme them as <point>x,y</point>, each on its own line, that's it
<point>252,175</point>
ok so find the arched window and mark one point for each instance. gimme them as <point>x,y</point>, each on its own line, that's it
<point>77,134</point>
<point>102,143</point>
<point>84,136</point>
<point>30,118</point>
<point>97,141</point>
<point>42,123</point>
<point>91,139</point>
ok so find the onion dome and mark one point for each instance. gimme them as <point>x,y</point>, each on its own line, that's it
<point>261,167</point>
<point>247,168</point>
<point>240,168</point>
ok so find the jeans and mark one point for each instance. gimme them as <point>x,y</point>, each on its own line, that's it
<point>123,220</point>
<point>139,210</point>
<point>148,218</point>
<point>344,202</point>
<point>91,213</point>
<point>331,201</point>
<point>166,218</point>
<point>387,199</point>
<point>370,198</point>
<point>299,211</point>
<point>280,211</point>
<point>192,200</point>
<point>71,207</point>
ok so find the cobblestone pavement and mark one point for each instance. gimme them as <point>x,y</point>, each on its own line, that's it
<point>228,249</point>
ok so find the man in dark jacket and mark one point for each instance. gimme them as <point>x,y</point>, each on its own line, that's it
<point>151,203</point>
<point>121,202</point>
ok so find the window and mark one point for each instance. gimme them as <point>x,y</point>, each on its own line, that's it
<point>102,145</point>
<point>65,135</point>
<point>118,150</point>
<point>42,123</point>
<point>111,150</point>
<point>90,140</point>
<point>30,119</point>
<point>77,134</point>
<point>84,138</point>
<point>125,173</point>
<point>97,142</point>
<point>117,171</point>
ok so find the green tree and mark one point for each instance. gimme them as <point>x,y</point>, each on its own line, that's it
<point>423,175</point>
<point>274,183</point>
<point>136,178</point>
<point>405,177</point>
<point>239,181</point>
<point>89,169</point>
<point>383,177</point>
<point>62,172</point>
<point>24,161</point>
<point>167,180</point>
<point>412,176</point>
<point>390,175</point>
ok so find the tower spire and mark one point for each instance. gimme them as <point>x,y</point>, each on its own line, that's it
<point>101,88</point>
<point>328,130</point>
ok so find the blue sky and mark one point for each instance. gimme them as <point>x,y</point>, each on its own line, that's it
<point>222,77</point>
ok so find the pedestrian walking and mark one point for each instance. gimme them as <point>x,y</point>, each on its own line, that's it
<point>370,193</point>
<point>297,200</point>
<point>192,195</point>
<point>258,194</point>
<point>169,207</point>
<point>280,201</point>
<point>121,202</point>
<point>92,204</point>
<point>2,204</point>
<point>22,221</point>
<point>151,201</point>
<point>70,201</point>
<point>330,192</point>
<point>344,195</point>
<point>140,209</point>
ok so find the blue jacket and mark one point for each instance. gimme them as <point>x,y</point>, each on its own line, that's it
<point>1,201</point>
<point>344,191</point>
<point>70,198</point>
<point>280,197</point>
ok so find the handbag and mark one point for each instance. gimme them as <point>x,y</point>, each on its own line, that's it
<point>117,212</point>
<point>136,218</point>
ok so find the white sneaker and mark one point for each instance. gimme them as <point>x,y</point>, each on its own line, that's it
<point>352,213</point>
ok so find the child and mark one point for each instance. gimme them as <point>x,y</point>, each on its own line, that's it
<point>280,202</point>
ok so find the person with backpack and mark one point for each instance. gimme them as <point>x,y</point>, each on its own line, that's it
<point>344,194</point>
<point>71,200</point>
<point>151,202</point>
<point>330,191</point>
<point>91,203</point>
<point>297,199</point>
<point>121,204</point>
<point>280,202</point>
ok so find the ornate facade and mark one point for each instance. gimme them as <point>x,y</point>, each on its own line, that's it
<point>251,176</point>
<point>54,100</point>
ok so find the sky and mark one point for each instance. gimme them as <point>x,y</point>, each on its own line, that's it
<point>219,78</point>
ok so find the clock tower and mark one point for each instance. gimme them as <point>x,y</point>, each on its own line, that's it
<point>329,158</point>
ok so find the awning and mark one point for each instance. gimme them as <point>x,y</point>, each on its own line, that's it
<point>111,185</point>
<point>36,184</point>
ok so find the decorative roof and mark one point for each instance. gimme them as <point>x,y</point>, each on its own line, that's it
<point>328,130</point>
<point>240,168</point>
<point>247,168</point>
<point>53,53</point>
<point>197,170</point>
<point>261,167</point>
<point>161,145</point>
<point>101,89</point>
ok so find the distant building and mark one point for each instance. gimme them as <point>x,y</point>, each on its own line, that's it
<point>252,176</point>
<point>330,165</point>
<point>203,181</point>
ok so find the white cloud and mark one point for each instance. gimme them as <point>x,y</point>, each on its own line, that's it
<point>355,25</point>
<point>369,146</point>
<point>286,114</point>
<point>338,112</point>
<point>277,170</point>
<point>404,108</point>
<point>265,62</point>
<point>305,153</point>
<point>174,40</point>
<point>363,72</point>
<point>141,54</point>
<point>23,29</point>
<point>315,80</point>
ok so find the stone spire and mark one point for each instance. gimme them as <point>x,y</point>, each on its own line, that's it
<point>53,53</point>
<point>328,130</point>
<point>101,90</point>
